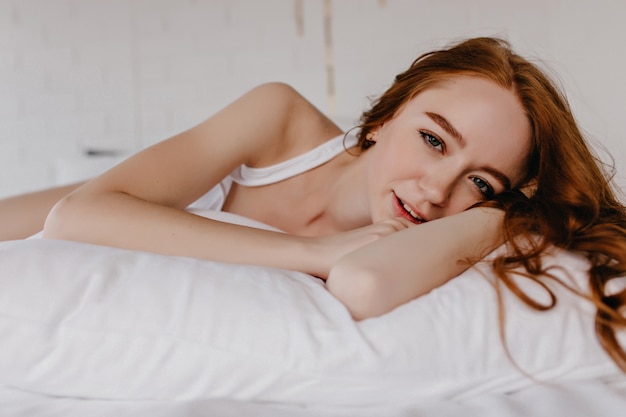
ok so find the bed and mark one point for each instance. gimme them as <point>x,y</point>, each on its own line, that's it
<point>98,331</point>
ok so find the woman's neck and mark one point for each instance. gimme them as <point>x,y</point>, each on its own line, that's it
<point>345,198</point>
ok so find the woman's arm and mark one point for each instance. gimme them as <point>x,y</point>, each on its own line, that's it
<point>139,204</point>
<point>402,266</point>
<point>23,215</point>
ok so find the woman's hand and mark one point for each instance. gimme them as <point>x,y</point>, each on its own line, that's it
<point>328,250</point>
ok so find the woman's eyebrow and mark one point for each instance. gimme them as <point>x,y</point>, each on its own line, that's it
<point>447,126</point>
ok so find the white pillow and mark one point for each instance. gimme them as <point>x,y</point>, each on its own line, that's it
<point>98,322</point>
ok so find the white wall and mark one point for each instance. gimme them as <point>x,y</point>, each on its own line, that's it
<point>122,74</point>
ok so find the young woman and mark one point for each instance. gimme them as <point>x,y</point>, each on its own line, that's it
<point>469,147</point>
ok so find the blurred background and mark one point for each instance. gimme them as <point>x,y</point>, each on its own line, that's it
<point>85,82</point>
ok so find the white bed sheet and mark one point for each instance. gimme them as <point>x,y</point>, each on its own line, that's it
<point>97,331</point>
<point>590,399</point>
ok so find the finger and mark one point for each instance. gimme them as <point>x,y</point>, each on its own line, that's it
<point>398,223</point>
<point>395,224</point>
<point>406,223</point>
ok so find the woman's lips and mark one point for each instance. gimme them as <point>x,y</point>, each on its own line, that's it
<point>403,210</point>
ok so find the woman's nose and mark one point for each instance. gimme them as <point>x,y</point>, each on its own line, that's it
<point>437,187</point>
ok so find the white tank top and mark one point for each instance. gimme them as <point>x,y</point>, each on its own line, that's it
<point>255,177</point>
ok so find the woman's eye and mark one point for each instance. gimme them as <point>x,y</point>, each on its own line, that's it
<point>433,141</point>
<point>483,186</point>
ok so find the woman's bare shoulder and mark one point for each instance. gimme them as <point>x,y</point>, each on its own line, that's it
<point>303,125</point>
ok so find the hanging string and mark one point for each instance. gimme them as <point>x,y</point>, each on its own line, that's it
<point>298,9</point>
<point>330,63</point>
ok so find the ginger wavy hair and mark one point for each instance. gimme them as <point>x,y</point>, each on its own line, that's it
<point>573,206</point>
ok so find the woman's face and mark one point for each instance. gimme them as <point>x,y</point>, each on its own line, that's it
<point>453,145</point>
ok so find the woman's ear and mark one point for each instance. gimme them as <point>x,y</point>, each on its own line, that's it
<point>370,139</point>
<point>371,135</point>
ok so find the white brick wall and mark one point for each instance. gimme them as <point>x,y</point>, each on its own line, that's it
<point>123,74</point>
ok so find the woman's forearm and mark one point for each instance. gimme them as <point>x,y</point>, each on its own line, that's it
<point>402,266</point>
<point>121,220</point>
<point>24,215</point>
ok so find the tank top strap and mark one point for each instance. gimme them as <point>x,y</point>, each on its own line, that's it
<point>254,177</point>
